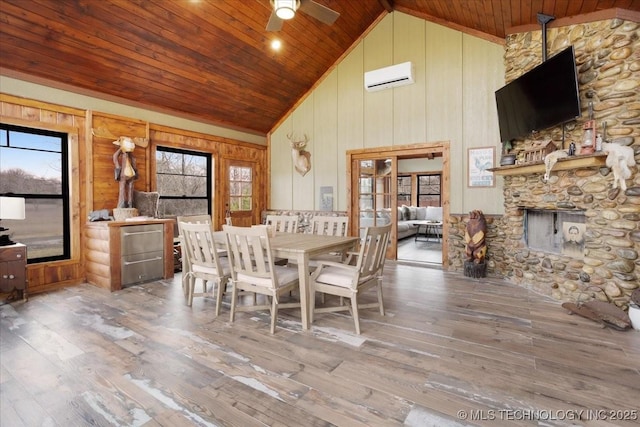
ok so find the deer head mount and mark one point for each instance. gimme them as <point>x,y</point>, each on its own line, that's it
<point>102,132</point>
<point>301,158</point>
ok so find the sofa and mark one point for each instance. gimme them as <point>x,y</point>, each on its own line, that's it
<point>407,215</point>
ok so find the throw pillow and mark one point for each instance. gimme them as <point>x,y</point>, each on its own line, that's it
<point>400,214</point>
<point>422,213</point>
<point>405,213</point>
<point>146,202</point>
<point>434,213</point>
<point>413,213</point>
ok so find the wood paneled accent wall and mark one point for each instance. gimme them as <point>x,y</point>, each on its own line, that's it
<point>93,183</point>
<point>103,190</point>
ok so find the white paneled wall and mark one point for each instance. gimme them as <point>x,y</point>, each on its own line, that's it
<point>452,100</point>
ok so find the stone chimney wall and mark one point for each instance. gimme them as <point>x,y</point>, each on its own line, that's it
<point>608,61</point>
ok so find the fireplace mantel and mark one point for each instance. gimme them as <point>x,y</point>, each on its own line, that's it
<point>571,162</point>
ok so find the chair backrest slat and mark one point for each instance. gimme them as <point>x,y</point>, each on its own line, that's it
<point>283,223</point>
<point>330,225</point>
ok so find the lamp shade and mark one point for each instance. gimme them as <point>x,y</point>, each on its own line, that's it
<point>285,9</point>
<point>11,208</point>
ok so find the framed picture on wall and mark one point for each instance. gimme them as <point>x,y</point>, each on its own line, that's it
<point>479,161</point>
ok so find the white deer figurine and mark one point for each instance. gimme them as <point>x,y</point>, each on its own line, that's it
<point>620,159</point>
<point>301,158</point>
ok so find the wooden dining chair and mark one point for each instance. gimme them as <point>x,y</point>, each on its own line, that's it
<point>283,223</point>
<point>204,262</point>
<point>330,225</point>
<point>193,219</point>
<point>253,270</point>
<point>350,281</point>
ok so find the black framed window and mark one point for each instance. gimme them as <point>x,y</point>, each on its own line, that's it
<point>183,182</point>
<point>34,164</point>
<point>429,190</point>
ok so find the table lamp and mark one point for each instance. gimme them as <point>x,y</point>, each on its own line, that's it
<point>10,208</point>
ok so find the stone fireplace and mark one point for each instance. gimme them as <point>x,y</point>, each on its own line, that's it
<point>580,187</point>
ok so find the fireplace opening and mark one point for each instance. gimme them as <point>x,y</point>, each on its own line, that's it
<point>555,231</point>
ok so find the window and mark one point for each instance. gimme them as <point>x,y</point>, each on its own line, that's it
<point>240,188</point>
<point>184,182</point>
<point>404,190</point>
<point>34,164</point>
<point>429,190</point>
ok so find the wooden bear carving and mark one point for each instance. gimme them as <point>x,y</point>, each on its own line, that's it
<point>474,237</point>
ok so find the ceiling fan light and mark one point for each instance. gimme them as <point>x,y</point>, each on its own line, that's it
<point>285,9</point>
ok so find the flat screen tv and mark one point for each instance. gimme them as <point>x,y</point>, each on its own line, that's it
<point>543,97</point>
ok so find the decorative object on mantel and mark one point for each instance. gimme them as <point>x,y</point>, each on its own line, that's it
<point>537,150</point>
<point>620,159</point>
<point>550,160</point>
<point>301,158</point>
<point>589,138</point>
<point>474,237</point>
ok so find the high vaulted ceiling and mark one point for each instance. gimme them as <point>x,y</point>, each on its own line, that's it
<point>211,60</point>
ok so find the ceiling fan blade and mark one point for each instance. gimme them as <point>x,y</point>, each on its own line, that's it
<point>318,11</point>
<point>275,23</point>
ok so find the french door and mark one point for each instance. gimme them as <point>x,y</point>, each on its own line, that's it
<point>373,187</point>
<point>374,195</point>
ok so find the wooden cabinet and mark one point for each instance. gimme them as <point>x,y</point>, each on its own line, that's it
<point>121,253</point>
<point>13,269</point>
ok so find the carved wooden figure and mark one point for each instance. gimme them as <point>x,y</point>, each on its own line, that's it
<point>124,164</point>
<point>474,237</point>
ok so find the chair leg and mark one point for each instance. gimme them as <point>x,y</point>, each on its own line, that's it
<point>274,313</point>
<point>354,312</point>
<point>234,297</point>
<point>221,284</point>
<point>192,285</point>
<point>186,276</point>
<point>380,300</point>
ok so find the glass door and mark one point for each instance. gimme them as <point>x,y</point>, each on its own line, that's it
<point>374,192</point>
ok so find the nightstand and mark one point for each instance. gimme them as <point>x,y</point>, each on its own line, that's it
<point>13,269</point>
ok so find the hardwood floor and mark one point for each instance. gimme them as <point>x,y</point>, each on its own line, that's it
<point>451,351</point>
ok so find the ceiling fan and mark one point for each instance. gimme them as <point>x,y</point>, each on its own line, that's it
<point>286,9</point>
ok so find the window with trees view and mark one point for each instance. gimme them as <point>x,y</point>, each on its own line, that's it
<point>183,182</point>
<point>429,190</point>
<point>404,190</point>
<point>241,188</point>
<point>34,165</point>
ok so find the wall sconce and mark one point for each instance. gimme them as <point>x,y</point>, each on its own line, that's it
<point>10,208</point>
<point>285,9</point>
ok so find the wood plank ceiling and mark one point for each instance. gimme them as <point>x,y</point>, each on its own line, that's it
<point>210,60</point>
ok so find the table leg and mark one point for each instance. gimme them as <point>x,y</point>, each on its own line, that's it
<point>303,272</point>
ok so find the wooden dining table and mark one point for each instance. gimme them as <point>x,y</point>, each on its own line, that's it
<point>301,247</point>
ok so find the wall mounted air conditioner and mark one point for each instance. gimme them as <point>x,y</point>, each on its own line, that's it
<point>393,76</point>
